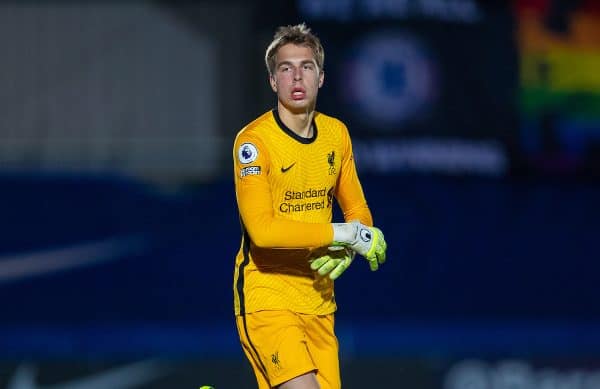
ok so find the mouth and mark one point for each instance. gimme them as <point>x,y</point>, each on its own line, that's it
<point>298,93</point>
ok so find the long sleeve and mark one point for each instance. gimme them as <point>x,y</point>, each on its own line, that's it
<point>255,202</point>
<point>349,191</point>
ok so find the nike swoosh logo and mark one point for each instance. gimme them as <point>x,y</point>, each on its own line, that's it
<point>285,169</point>
<point>128,376</point>
<point>20,266</point>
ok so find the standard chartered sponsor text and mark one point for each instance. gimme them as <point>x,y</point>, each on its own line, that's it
<point>316,196</point>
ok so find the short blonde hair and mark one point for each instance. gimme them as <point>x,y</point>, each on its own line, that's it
<point>299,35</point>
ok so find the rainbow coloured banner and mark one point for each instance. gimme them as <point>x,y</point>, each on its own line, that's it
<point>559,99</point>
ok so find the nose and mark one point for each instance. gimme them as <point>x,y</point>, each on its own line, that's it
<point>297,74</point>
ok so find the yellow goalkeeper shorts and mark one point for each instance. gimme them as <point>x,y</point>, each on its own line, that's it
<point>282,345</point>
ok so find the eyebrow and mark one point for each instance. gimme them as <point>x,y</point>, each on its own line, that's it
<point>303,62</point>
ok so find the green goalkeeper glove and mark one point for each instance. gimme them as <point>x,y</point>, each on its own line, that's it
<point>366,241</point>
<point>334,263</point>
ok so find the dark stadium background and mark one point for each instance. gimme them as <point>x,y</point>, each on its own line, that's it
<point>476,132</point>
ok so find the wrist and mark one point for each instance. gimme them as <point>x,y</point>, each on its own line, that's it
<point>344,233</point>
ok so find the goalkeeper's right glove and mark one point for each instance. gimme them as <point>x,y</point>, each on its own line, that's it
<point>366,241</point>
<point>334,263</point>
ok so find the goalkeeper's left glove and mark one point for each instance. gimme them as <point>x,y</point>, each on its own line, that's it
<point>334,263</point>
<point>366,241</point>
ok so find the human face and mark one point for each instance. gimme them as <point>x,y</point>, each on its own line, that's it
<point>296,78</point>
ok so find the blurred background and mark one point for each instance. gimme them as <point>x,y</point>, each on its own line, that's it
<point>476,128</point>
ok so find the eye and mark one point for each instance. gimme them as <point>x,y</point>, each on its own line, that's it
<point>308,66</point>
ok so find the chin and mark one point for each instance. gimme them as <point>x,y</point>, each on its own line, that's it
<point>299,106</point>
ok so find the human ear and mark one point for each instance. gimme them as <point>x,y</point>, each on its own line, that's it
<point>273,83</point>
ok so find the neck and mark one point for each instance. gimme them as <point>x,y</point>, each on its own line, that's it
<point>299,122</point>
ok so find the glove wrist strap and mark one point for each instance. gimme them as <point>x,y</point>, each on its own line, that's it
<point>344,233</point>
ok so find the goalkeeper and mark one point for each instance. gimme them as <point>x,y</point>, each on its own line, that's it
<point>290,165</point>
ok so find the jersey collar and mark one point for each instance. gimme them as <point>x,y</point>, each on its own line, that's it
<point>291,133</point>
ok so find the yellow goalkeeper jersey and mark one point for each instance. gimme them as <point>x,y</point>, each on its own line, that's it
<point>285,186</point>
